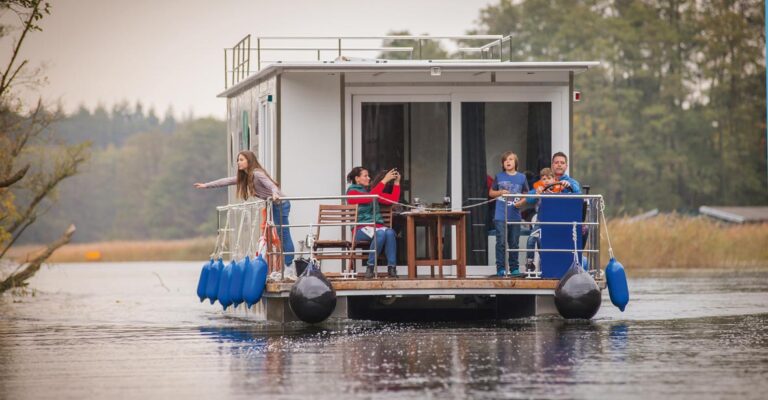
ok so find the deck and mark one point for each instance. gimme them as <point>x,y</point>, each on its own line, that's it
<point>429,286</point>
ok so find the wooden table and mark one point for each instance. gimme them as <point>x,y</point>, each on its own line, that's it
<point>437,219</point>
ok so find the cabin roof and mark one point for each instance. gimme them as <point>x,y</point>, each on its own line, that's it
<point>404,66</point>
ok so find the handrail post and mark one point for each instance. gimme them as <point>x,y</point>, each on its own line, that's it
<point>247,50</point>
<point>234,65</point>
<point>420,55</point>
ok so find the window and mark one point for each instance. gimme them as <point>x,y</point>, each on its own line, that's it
<point>245,133</point>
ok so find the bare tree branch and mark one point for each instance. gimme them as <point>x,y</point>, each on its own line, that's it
<point>29,24</point>
<point>17,279</point>
<point>14,178</point>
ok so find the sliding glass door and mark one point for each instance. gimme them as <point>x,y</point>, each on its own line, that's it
<point>451,146</point>
<point>413,137</point>
<point>489,129</point>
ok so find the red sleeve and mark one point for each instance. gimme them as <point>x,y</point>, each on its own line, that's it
<point>386,198</point>
<point>390,198</point>
<point>358,200</point>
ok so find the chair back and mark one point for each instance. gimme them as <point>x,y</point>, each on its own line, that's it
<point>336,214</point>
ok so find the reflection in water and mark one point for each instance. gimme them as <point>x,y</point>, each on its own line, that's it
<point>88,334</point>
<point>617,337</point>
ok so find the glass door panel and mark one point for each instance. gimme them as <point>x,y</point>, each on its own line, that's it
<point>488,129</point>
<point>413,137</point>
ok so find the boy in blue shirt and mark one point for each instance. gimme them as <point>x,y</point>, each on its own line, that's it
<point>508,181</point>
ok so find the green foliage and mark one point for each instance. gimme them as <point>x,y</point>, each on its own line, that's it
<point>142,188</point>
<point>675,117</point>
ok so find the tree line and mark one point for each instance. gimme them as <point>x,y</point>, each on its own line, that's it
<point>138,183</point>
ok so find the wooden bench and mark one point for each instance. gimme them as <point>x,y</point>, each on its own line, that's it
<point>334,216</point>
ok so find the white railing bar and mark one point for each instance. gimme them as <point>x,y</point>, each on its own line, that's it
<point>362,196</point>
<point>549,223</point>
<point>327,49</point>
<point>388,37</point>
<point>556,196</point>
<point>551,250</point>
<point>243,204</point>
<point>327,224</point>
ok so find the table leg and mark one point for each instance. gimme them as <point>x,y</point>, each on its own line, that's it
<point>461,247</point>
<point>440,246</point>
<point>431,247</point>
<point>411,240</point>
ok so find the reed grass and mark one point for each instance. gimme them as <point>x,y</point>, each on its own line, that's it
<point>149,250</point>
<point>665,241</point>
<point>675,241</point>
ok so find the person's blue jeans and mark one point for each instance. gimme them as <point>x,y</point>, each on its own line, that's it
<point>280,213</point>
<point>385,241</point>
<point>513,236</point>
<point>534,242</point>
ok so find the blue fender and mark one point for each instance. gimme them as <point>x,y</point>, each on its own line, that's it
<point>236,283</point>
<point>203,281</point>
<point>254,281</point>
<point>226,275</point>
<point>212,288</point>
<point>616,280</point>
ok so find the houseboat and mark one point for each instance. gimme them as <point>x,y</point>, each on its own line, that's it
<point>312,108</point>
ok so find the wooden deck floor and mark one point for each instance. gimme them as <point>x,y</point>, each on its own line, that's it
<point>383,284</point>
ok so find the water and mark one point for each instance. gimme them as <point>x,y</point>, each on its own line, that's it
<point>135,330</point>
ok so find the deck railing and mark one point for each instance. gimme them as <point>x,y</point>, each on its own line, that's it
<point>235,241</point>
<point>330,49</point>
<point>591,222</point>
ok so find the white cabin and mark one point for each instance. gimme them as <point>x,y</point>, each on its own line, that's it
<point>327,106</point>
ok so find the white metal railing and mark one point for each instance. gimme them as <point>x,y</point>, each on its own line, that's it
<point>251,211</point>
<point>237,60</point>
<point>591,221</point>
<point>252,206</point>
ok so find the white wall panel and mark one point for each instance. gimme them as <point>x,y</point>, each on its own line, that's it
<point>310,149</point>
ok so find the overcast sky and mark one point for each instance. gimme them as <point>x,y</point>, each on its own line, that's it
<point>170,52</point>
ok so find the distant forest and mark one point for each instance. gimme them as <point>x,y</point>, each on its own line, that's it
<point>138,183</point>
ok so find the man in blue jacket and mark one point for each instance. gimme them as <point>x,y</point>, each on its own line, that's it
<point>559,166</point>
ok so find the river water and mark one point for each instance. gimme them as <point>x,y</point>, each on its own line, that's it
<point>136,330</point>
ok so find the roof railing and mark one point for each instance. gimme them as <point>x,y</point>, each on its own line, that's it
<point>237,60</point>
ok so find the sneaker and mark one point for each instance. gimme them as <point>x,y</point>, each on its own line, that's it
<point>500,272</point>
<point>290,274</point>
<point>530,266</point>
<point>515,273</point>
<point>275,276</point>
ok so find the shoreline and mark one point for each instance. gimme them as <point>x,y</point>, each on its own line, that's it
<point>668,241</point>
<point>123,251</point>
